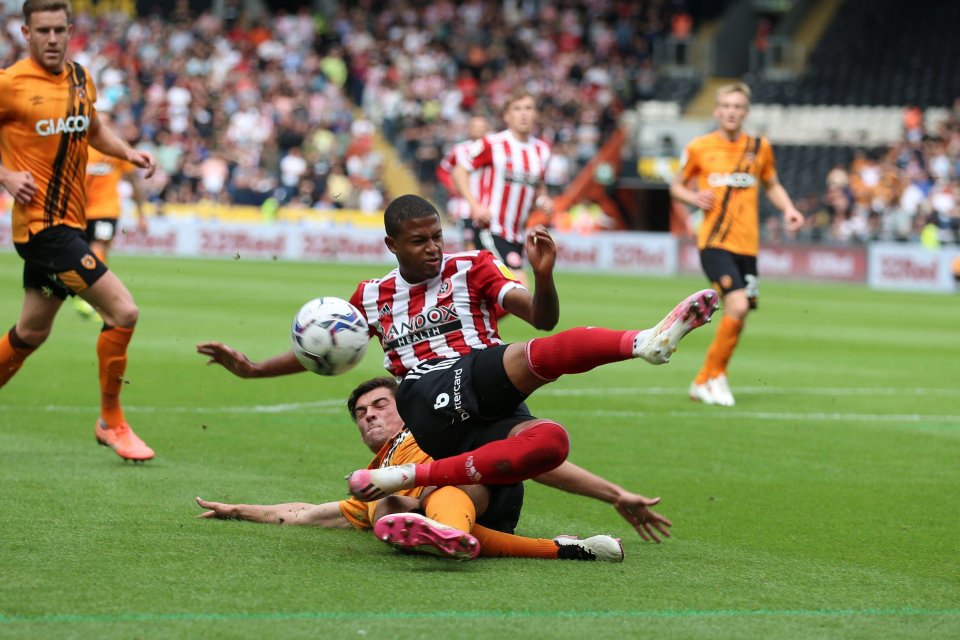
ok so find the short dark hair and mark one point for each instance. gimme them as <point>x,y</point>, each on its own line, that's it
<point>385,382</point>
<point>408,207</point>
<point>31,7</point>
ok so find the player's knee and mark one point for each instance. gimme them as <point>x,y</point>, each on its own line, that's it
<point>126,315</point>
<point>30,337</point>
<point>554,445</point>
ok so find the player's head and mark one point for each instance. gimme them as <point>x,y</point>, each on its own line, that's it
<point>733,105</point>
<point>373,407</point>
<point>47,28</point>
<point>520,112</point>
<point>477,127</point>
<point>415,236</point>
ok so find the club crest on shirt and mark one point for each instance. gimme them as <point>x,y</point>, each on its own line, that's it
<point>88,261</point>
<point>446,288</point>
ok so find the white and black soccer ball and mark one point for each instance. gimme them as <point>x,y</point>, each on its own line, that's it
<point>329,336</point>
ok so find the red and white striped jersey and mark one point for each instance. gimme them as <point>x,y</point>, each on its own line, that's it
<point>460,207</point>
<point>517,170</point>
<point>444,317</point>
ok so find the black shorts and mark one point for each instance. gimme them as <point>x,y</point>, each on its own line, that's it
<point>453,406</point>
<point>58,262</point>
<point>509,253</point>
<point>503,510</point>
<point>102,230</point>
<point>732,271</point>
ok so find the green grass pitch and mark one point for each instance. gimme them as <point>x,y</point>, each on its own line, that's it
<point>823,505</point>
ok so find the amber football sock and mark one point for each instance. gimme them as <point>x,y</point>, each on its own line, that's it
<point>112,356</point>
<point>721,349</point>
<point>452,507</point>
<point>496,544</point>
<point>13,351</point>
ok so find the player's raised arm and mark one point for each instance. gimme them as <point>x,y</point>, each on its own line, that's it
<point>241,366</point>
<point>542,309</point>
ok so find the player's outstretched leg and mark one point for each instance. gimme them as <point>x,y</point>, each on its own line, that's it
<point>373,484</point>
<point>603,548</point>
<point>656,345</point>
<point>541,446</point>
<point>414,532</point>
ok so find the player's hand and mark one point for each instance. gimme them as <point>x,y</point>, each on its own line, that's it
<point>230,359</point>
<point>480,214</point>
<point>541,250</point>
<point>635,509</point>
<point>144,160</point>
<point>20,185</point>
<point>705,200</point>
<point>217,510</point>
<point>792,219</point>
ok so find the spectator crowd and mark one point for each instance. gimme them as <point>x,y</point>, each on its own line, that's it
<point>907,192</point>
<point>281,109</point>
<point>246,109</point>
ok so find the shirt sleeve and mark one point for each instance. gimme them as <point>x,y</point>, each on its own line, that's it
<point>492,278</point>
<point>475,154</point>
<point>6,95</point>
<point>688,164</point>
<point>357,301</point>
<point>357,513</point>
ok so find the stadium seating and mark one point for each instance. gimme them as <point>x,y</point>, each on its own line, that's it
<point>879,52</point>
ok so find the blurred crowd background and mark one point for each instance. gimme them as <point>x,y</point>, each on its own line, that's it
<point>304,106</point>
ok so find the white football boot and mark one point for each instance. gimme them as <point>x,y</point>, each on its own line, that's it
<point>720,390</point>
<point>702,392</point>
<point>603,548</point>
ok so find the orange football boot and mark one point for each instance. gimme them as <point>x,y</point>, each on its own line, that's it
<point>123,441</point>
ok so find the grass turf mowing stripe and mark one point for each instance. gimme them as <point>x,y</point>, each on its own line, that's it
<point>366,615</point>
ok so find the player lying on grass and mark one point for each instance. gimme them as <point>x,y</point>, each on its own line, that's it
<point>458,525</point>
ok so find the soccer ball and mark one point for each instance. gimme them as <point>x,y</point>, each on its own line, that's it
<point>329,336</point>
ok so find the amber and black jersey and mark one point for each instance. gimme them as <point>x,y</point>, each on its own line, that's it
<point>733,171</point>
<point>44,125</point>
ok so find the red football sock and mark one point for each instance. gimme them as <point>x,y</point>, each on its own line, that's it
<point>578,350</point>
<point>538,449</point>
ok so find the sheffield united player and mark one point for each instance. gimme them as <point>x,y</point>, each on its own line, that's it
<point>463,389</point>
<point>457,206</point>
<point>517,161</point>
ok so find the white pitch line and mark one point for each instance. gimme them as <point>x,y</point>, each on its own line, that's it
<point>765,390</point>
<point>334,406</point>
<point>769,415</point>
<point>325,406</point>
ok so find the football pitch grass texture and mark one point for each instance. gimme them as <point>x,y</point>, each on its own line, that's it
<point>824,504</point>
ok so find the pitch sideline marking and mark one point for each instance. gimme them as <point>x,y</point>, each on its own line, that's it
<point>334,406</point>
<point>494,615</point>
